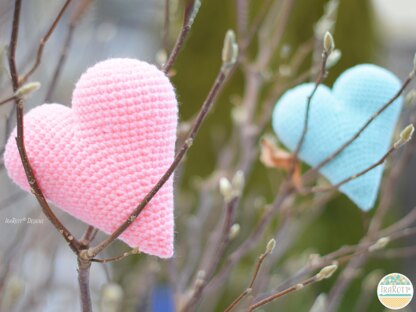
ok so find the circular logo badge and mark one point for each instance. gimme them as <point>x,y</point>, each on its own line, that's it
<point>395,291</point>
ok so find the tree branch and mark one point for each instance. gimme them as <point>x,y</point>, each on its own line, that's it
<point>190,13</point>
<point>76,16</point>
<point>43,41</point>
<point>259,263</point>
<point>313,170</point>
<point>35,189</point>
<point>355,176</point>
<point>84,267</point>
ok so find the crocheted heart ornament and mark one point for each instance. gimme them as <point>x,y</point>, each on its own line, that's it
<point>98,160</point>
<point>335,116</point>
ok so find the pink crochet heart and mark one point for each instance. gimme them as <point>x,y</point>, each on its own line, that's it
<point>98,160</point>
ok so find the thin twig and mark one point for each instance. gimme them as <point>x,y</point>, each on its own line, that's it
<point>166,25</point>
<point>43,41</point>
<point>374,230</point>
<point>322,74</point>
<point>224,238</point>
<point>249,289</point>
<point>404,222</point>
<point>61,62</point>
<point>406,232</point>
<point>301,54</point>
<point>35,189</point>
<point>315,169</point>
<point>242,17</point>
<point>178,45</point>
<point>195,237</point>
<point>250,242</point>
<point>267,52</point>
<point>389,187</point>
<point>133,251</point>
<point>246,40</point>
<point>257,269</point>
<point>75,18</point>
<point>355,176</point>
<point>341,255</point>
<point>398,253</point>
<point>88,236</point>
<point>189,16</point>
<point>344,254</point>
<point>237,300</point>
<point>290,230</point>
<point>279,294</point>
<point>276,92</point>
<point>359,257</point>
<point>13,45</point>
<point>9,99</point>
<point>219,253</point>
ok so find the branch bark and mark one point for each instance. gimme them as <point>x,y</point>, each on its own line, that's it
<point>84,266</point>
<point>35,189</point>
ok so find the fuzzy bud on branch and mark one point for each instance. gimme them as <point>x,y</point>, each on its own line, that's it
<point>270,246</point>
<point>333,58</point>
<point>410,97</point>
<point>192,12</point>
<point>379,244</point>
<point>405,136</point>
<point>326,272</point>
<point>226,189</point>
<point>329,44</point>
<point>230,190</point>
<point>27,89</point>
<point>234,231</point>
<point>229,50</point>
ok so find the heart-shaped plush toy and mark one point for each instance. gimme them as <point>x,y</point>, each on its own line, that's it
<point>99,159</point>
<point>335,116</point>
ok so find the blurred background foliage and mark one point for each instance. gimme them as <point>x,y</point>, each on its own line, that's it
<point>116,28</point>
<point>342,222</point>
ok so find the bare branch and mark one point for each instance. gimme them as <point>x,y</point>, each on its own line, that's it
<point>190,13</point>
<point>166,25</point>
<point>266,53</point>
<point>253,29</point>
<point>9,99</point>
<point>133,251</point>
<point>355,176</point>
<point>43,41</point>
<point>35,189</point>
<point>219,253</point>
<point>88,237</point>
<point>248,290</point>
<point>75,18</point>
<point>325,273</point>
<point>83,282</point>
<point>361,130</point>
<point>321,77</point>
<point>250,242</point>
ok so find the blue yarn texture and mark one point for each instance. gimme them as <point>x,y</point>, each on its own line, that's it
<point>334,117</point>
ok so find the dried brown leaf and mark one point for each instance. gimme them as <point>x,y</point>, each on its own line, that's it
<point>274,157</point>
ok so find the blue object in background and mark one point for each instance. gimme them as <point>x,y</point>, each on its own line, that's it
<point>162,299</point>
<point>335,116</point>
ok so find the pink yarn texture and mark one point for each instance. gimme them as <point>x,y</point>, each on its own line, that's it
<point>98,160</point>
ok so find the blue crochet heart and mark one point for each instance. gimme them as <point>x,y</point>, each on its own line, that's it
<point>335,116</point>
